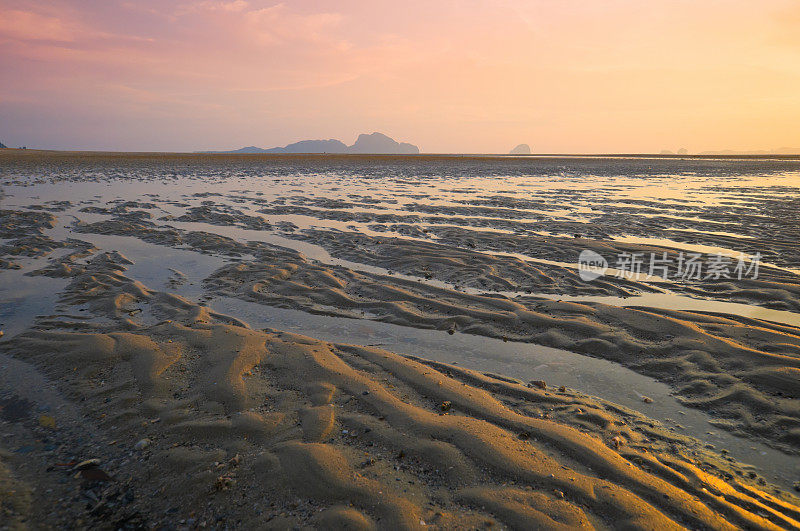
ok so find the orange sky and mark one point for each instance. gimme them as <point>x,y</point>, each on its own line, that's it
<point>449,76</point>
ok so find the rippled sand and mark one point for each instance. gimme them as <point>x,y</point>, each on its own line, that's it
<point>196,416</point>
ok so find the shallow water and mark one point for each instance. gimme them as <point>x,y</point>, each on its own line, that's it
<point>22,298</point>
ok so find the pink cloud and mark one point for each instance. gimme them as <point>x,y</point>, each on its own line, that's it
<point>212,5</point>
<point>279,25</point>
<point>235,5</point>
<point>27,25</point>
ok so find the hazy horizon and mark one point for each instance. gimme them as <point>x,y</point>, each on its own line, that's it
<point>450,77</point>
<point>780,152</point>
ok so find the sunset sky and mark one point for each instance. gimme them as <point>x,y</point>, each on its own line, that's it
<point>449,76</point>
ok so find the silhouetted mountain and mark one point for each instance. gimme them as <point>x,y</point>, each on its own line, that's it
<point>376,143</point>
<point>248,149</point>
<point>380,143</point>
<point>522,149</point>
<point>311,146</point>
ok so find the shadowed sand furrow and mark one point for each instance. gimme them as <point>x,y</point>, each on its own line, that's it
<point>311,427</point>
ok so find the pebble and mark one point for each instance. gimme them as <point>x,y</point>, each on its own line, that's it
<point>541,384</point>
<point>224,483</point>
<point>89,463</point>
<point>647,400</point>
<point>141,445</point>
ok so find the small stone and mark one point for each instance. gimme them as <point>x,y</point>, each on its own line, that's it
<point>562,389</point>
<point>93,474</point>
<point>558,494</point>
<point>223,483</point>
<point>89,463</point>
<point>451,331</point>
<point>647,400</point>
<point>446,405</point>
<point>47,421</point>
<point>141,445</point>
<point>618,441</point>
<point>541,384</point>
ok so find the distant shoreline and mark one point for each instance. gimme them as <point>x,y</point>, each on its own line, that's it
<point>5,152</point>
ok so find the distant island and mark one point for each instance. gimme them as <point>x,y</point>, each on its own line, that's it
<point>522,149</point>
<point>681,151</point>
<point>734,153</point>
<point>779,151</point>
<point>374,144</point>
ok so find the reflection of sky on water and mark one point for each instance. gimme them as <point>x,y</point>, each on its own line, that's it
<point>662,207</point>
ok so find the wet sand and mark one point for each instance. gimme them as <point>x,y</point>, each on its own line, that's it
<point>198,418</point>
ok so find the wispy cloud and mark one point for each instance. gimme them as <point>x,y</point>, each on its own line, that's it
<point>279,25</point>
<point>27,25</point>
<point>233,6</point>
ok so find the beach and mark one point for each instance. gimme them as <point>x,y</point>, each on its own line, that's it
<point>389,342</point>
